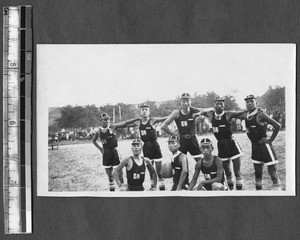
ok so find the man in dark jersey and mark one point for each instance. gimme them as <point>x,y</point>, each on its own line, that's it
<point>212,168</point>
<point>180,166</point>
<point>228,148</point>
<point>135,170</point>
<point>151,148</point>
<point>262,150</point>
<point>185,123</point>
<point>107,136</point>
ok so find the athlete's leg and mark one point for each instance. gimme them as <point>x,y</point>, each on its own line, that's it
<point>237,172</point>
<point>273,173</point>
<point>258,168</point>
<point>158,166</point>
<point>228,173</point>
<point>110,178</point>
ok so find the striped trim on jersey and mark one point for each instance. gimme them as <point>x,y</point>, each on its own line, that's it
<point>239,148</point>
<point>198,156</point>
<point>274,161</point>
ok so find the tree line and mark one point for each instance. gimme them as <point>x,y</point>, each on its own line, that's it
<point>83,117</point>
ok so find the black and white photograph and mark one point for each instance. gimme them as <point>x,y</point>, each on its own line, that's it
<point>147,120</point>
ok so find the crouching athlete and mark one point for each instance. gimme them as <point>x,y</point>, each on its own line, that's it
<point>212,168</point>
<point>135,170</point>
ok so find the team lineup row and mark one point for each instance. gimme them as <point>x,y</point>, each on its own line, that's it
<point>214,168</point>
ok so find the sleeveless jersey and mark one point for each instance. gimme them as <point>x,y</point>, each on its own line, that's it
<point>221,128</point>
<point>108,139</point>
<point>136,175</point>
<point>255,131</point>
<point>186,123</point>
<point>210,172</point>
<point>147,132</point>
<point>177,169</point>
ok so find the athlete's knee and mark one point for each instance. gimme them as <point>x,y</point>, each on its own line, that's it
<point>258,168</point>
<point>237,167</point>
<point>217,186</point>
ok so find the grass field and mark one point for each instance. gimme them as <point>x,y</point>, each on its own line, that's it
<point>77,167</point>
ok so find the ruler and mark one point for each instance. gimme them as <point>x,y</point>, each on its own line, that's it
<point>17,78</point>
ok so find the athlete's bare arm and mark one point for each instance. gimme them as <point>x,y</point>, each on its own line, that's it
<point>196,175</point>
<point>219,177</point>
<point>124,124</point>
<point>174,115</point>
<point>151,171</point>
<point>94,140</point>
<point>240,115</point>
<point>155,120</point>
<point>206,112</point>
<point>262,117</point>
<point>183,161</point>
<point>118,169</point>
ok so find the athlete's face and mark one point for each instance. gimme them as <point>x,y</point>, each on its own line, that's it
<point>105,122</point>
<point>250,104</point>
<point>185,103</point>
<point>206,150</point>
<point>136,148</point>
<point>145,112</point>
<point>219,106</point>
<point>173,146</point>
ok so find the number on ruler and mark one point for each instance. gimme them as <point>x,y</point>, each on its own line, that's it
<point>12,123</point>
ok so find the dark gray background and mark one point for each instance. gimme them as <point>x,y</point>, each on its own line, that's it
<point>85,22</point>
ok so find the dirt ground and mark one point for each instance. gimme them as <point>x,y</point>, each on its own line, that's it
<point>78,167</point>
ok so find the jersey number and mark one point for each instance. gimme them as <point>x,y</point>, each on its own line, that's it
<point>184,123</point>
<point>143,132</point>
<point>215,129</point>
<point>207,176</point>
<point>136,176</point>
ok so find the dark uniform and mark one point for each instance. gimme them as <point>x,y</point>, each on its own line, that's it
<point>227,145</point>
<point>177,169</point>
<point>110,143</point>
<point>186,128</point>
<point>136,176</point>
<point>210,173</point>
<point>151,148</point>
<point>261,152</point>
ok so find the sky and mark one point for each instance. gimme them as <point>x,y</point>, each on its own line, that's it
<point>100,74</point>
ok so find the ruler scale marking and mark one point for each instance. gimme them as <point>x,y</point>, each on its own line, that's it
<point>17,64</point>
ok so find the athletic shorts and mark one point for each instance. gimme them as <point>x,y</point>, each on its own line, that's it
<point>152,150</point>
<point>229,149</point>
<point>190,145</point>
<point>110,158</point>
<point>135,188</point>
<point>263,153</point>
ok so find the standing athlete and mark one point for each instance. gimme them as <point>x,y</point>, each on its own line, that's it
<point>135,170</point>
<point>262,149</point>
<point>212,168</point>
<point>180,166</point>
<point>108,138</point>
<point>228,148</point>
<point>151,148</point>
<point>186,126</point>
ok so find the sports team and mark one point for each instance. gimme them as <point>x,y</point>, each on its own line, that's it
<point>216,170</point>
